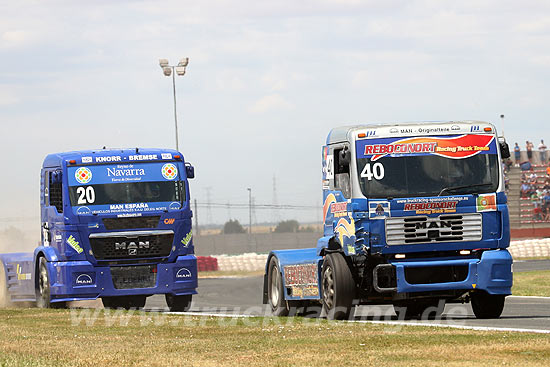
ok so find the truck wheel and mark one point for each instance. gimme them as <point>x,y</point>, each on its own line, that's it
<point>487,306</point>
<point>419,309</point>
<point>178,303</point>
<point>126,302</point>
<point>43,296</point>
<point>275,290</point>
<point>338,287</point>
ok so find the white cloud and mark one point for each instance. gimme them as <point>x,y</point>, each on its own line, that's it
<point>8,97</point>
<point>270,103</point>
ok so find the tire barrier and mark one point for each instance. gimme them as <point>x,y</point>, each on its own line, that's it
<point>207,263</point>
<point>538,247</point>
<point>256,262</point>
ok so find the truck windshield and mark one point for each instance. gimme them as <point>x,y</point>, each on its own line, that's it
<point>430,168</point>
<point>127,192</point>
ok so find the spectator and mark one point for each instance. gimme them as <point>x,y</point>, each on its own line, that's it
<point>548,169</point>
<point>517,154</point>
<point>524,190</point>
<point>546,201</point>
<point>542,151</point>
<point>529,147</point>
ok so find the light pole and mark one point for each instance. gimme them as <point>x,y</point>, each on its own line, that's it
<point>249,210</point>
<point>173,70</point>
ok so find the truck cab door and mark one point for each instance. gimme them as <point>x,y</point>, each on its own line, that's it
<point>52,207</point>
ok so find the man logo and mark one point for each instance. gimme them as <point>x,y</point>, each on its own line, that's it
<point>169,221</point>
<point>183,273</point>
<point>132,247</point>
<point>429,225</point>
<point>84,279</point>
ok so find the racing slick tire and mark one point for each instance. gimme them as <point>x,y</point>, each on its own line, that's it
<point>487,306</point>
<point>275,289</point>
<point>178,303</point>
<point>338,287</point>
<point>43,290</point>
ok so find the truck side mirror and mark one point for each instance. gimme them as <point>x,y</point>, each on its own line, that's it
<point>345,157</point>
<point>189,170</point>
<point>504,149</point>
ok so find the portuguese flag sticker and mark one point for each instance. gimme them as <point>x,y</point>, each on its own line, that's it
<point>486,202</point>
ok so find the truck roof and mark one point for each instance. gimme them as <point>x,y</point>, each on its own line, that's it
<point>344,133</point>
<point>90,156</point>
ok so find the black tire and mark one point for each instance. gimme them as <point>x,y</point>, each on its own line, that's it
<point>419,309</point>
<point>338,287</point>
<point>126,302</point>
<point>43,290</point>
<point>275,290</point>
<point>178,303</point>
<point>487,306</point>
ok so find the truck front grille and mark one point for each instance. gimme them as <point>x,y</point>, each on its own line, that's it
<point>423,229</point>
<point>132,246</point>
<point>131,222</point>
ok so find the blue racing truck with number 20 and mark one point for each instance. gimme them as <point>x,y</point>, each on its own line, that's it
<point>116,224</point>
<point>415,215</point>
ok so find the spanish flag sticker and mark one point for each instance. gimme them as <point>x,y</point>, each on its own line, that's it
<point>486,202</point>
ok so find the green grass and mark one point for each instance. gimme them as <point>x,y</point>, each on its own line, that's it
<point>532,283</point>
<point>35,337</point>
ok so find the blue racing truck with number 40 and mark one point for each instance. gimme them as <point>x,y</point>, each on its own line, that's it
<point>415,215</point>
<point>116,224</point>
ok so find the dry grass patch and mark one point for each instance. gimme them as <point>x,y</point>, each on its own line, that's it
<point>52,337</point>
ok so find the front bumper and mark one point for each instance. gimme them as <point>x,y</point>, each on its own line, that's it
<point>80,280</point>
<point>492,273</point>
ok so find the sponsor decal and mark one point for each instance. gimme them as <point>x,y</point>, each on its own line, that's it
<point>93,225</point>
<point>486,202</point>
<point>145,157</point>
<point>379,209</point>
<point>303,274</point>
<point>87,160</point>
<point>435,205</point>
<point>125,171</point>
<point>456,147</point>
<point>169,221</point>
<point>166,155</point>
<point>183,273</point>
<point>351,250</point>
<point>108,159</point>
<point>71,241</point>
<point>187,239</point>
<point>326,184</point>
<point>129,207</point>
<point>58,238</point>
<point>169,171</point>
<point>20,275</point>
<point>326,206</point>
<point>345,229</point>
<point>328,171</point>
<point>84,279</point>
<point>129,215</point>
<point>339,209</point>
<point>83,175</point>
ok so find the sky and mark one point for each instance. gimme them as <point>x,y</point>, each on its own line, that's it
<point>266,82</point>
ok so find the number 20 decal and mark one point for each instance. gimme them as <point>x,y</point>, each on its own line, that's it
<point>86,195</point>
<point>376,171</point>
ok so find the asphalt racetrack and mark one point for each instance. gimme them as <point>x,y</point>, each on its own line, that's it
<point>243,296</point>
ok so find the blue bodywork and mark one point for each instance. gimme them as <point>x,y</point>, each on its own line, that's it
<point>69,227</point>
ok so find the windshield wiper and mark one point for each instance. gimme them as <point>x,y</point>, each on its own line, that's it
<point>452,188</point>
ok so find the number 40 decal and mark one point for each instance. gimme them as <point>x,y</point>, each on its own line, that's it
<point>376,171</point>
